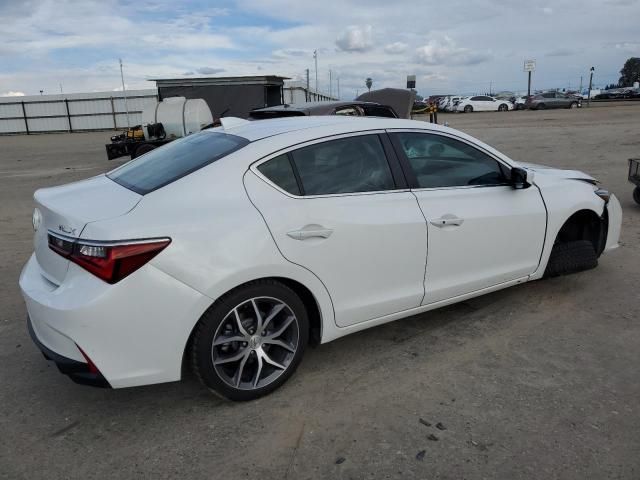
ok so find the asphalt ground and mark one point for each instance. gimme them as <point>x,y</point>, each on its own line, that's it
<point>536,381</point>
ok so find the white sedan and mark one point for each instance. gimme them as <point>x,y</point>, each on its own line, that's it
<point>483,103</point>
<point>233,248</point>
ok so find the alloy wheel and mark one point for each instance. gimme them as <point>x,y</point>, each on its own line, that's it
<point>255,343</point>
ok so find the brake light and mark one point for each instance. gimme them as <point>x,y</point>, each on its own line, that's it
<point>109,261</point>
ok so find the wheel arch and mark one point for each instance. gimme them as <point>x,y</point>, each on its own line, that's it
<point>310,301</point>
<point>585,224</point>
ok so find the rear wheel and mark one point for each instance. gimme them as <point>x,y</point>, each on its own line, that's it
<point>571,257</point>
<point>142,149</point>
<point>636,195</point>
<point>573,105</point>
<point>541,106</point>
<point>251,340</point>
<point>468,109</point>
<point>503,107</point>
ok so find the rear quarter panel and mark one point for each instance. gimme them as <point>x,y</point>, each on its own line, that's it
<point>218,238</point>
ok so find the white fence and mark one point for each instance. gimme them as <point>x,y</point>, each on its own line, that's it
<point>73,112</point>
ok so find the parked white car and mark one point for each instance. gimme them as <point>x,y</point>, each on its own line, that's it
<point>451,103</point>
<point>520,103</point>
<point>231,249</point>
<point>483,103</point>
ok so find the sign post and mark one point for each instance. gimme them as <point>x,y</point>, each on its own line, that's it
<point>529,66</point>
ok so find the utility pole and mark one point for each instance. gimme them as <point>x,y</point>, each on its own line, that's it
<point>306,93</point>
<point>529,85</point>
<point>580,91</point>
<point>338,88</point>
<point>61,88</point>
<point>124,92</point>
<point>315,58</point>
<point>330,84</point>
<point>490,86</point>
<point>590,85</point>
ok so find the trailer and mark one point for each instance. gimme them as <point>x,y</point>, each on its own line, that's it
<point>173,118</point>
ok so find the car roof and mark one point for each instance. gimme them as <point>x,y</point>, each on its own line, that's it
<point>257,130</point>
<point>317,108</point>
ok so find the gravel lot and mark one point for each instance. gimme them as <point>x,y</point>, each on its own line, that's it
<point>538,381</point>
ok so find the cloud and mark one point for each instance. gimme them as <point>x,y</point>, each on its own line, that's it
<point>547,10</point>
<point>209,70</point>
<point>11,93</point>
<point>292,52</point>
<point>631,47</point>
<point>356,39</point>
<point>561,52</point>
<point>446,52</point>
<point>396,47</point>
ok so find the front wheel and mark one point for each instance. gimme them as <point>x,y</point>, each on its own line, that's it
<point>573,105</point>
<point>251,340</point>
<point>468,109</point>
<point>503,107</point>
<point>636,195</point>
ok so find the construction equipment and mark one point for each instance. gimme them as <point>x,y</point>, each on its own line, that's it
<point>168,120</point>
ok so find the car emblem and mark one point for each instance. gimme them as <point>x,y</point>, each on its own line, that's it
<point>67,230</point>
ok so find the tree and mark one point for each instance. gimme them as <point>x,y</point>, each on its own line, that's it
<point>630,72</point>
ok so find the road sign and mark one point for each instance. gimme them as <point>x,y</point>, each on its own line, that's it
<point>529,65</point>
<point>411,81</point>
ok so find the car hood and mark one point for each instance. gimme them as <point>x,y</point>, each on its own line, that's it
<point>557,172</point>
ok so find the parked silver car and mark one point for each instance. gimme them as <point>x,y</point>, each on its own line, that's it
<point>552,100</point>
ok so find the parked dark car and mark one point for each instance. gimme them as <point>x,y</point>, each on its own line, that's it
<point>618,93</point>
<point>552,100</point>
<point>354,108</point>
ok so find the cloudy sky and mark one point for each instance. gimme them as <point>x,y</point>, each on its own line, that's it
<point>452,46</point>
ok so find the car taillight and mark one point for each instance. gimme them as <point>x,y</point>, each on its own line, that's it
<point>109,261</point>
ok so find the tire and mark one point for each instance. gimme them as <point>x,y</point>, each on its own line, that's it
<point>503,107</point>
<point>636,195</point>
<point>242,369</point>
<point>573,105</point>
<point>142,149</point>
<point>541,106</point>
<point>468,109</point>
<point>571,257</point>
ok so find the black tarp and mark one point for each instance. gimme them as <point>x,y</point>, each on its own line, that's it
<point>399,99</point>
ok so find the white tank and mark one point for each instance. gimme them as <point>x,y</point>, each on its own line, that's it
<point>179,116</point>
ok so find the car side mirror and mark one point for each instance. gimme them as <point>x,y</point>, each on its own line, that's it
<point>521,178</point>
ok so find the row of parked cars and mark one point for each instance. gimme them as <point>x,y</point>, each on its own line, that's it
<point>505,102</point>
<point>618,94</point>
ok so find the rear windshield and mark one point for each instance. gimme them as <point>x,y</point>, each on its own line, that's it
<point>379,111</point>
<point>170,162</point>
<point>266,114</point>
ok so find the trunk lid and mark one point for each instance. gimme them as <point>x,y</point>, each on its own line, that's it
<point>65,210</point>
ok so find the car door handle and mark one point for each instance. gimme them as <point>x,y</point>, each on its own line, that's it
<point>447,220</point>
<point>310,231</point>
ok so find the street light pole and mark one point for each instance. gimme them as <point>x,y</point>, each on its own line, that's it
<point>590,86</point>
<point>124,92</point>
<point>315,58</point>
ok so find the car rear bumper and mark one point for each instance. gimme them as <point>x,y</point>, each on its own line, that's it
<point>79,372</point>
<point>131,333</point>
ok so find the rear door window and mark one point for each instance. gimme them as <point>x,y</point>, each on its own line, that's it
<point>347,165</point>
<point>174,160</point>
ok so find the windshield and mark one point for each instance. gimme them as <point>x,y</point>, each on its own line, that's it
<point>170,162</point>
